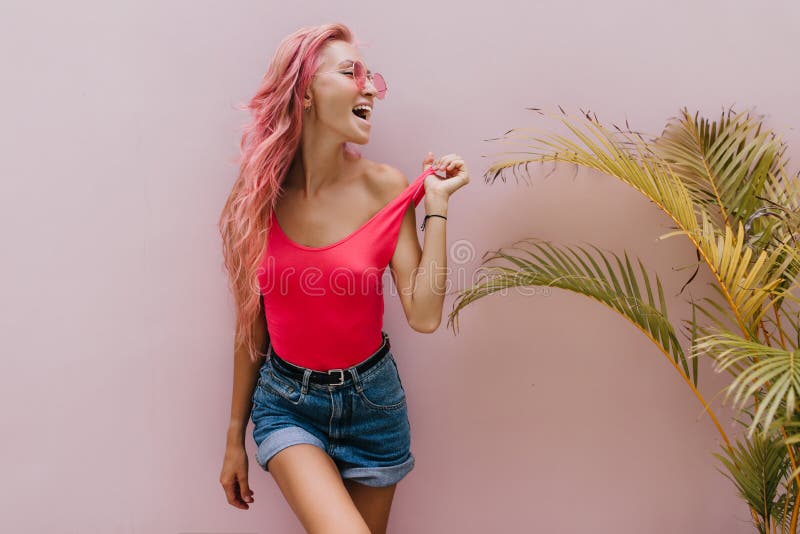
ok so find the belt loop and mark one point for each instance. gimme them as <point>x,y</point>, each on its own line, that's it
<point>306,375</point>
<point>356,378</point>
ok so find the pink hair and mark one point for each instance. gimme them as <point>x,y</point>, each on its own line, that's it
<point>268,145</point>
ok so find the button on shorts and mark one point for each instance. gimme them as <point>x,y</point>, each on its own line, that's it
<point>362,423</point>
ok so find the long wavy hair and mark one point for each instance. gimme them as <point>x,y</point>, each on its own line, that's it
<point>268,146</point>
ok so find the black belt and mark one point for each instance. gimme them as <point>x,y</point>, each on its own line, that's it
<point>327,377</point>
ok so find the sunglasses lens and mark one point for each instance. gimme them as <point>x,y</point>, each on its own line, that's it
<point>360,74</point>
<point>380,85</point>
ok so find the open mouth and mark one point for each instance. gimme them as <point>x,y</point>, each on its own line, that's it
<point>362,113</point>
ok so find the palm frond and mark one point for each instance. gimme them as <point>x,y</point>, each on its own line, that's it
<point>786,330</point>
<point>760,365</point>
<point>746,282</point>
<point>727,163</point>
<point>718,314</point>
<point>693,148</point>
<point>540,263</point>
<point>623,155</point>
<point>756,467</point>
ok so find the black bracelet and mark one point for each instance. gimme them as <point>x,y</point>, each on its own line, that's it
<point>425,220</point>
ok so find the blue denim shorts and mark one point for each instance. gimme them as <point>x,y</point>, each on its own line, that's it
<point>362,423</point>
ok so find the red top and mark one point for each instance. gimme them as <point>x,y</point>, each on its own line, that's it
<point>324,305</point>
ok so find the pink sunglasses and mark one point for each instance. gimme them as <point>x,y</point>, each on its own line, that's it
<point>360,74</point>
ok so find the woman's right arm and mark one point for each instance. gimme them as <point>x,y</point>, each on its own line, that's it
<point>245,376</point>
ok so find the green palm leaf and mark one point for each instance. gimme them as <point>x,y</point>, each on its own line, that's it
<point>727,163</point>
<point>747,283</point>
<point>759,366</point>
<point>724,184</point>
<point>625,156</point>
<point>756,468</point>
<point>540,263</point>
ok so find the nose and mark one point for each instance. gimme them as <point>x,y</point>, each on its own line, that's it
<point>368,82</point>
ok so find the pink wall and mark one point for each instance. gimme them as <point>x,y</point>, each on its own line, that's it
<point>119,133</point>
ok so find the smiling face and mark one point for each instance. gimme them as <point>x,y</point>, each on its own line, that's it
<point>335,95</point>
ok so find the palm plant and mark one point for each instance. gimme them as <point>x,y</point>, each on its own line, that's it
<point>724,184</point>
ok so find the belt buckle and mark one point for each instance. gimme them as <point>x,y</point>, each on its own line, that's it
<point>341,379</point>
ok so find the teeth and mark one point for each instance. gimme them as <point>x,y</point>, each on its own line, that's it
<point>364,107</point>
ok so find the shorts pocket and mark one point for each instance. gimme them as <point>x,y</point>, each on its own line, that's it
<point>382,389</point>
<point>286,388</point>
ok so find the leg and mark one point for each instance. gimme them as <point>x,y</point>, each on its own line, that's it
<point>374,504</point>
<point>312,485</point>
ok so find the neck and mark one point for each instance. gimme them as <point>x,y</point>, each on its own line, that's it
<point>320,162</point>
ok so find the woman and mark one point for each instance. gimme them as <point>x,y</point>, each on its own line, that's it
<point>327,404</point>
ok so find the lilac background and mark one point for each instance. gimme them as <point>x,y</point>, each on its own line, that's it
<point>547,413</point>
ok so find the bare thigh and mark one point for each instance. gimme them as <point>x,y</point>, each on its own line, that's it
<point>373,503</point>
<point>313,487</point>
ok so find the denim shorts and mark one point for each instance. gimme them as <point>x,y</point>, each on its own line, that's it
<point>362,423</point>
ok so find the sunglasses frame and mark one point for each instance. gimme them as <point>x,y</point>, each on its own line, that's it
<point>361,80</point>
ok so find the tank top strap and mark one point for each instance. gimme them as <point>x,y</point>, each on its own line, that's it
<point>415,191</point>
<point>388,220</point>
<point>417,187</point>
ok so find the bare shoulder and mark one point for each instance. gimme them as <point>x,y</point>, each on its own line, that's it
<point>385,181</point>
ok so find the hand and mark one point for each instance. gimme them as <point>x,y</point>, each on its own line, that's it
<point>454,170</point>
<point>234,477</point>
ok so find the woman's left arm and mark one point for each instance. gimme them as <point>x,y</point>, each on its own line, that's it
<point>420,275</point>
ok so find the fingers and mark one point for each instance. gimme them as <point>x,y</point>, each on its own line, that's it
<point>234,492</point>
<point>449,163</point>
<point>247,493</point>
<point>427,161</point>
